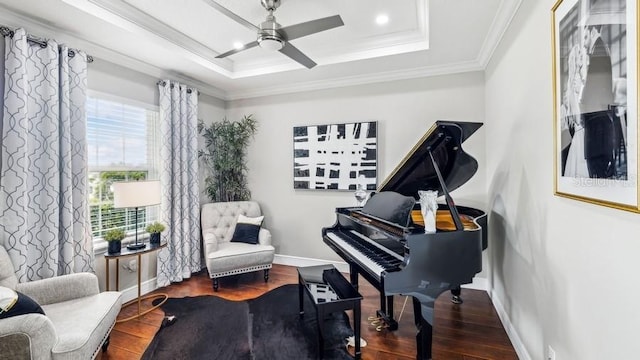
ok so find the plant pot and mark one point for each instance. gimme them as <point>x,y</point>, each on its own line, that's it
<point>154,239</point>
<point>114,247</point>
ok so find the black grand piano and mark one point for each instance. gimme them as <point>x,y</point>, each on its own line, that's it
<point>384,241</point>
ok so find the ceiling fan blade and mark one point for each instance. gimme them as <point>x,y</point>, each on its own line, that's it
<point>245,47</point>
<point>310,27</point>
<point>233,16</point>
<point>297,55</point>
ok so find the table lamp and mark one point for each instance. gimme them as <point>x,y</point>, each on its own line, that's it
<point>135,194</point>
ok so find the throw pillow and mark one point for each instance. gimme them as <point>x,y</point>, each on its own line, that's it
<point>247,229</point>
<point>14,303</point>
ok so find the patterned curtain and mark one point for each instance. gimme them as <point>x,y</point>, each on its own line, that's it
<point>180,207</point>
<point>44,221</point>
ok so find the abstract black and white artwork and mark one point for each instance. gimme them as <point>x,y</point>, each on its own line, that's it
<point>335,157</point>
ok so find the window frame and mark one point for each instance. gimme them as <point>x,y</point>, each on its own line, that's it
<point>99,244</point>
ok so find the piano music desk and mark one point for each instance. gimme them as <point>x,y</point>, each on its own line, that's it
<point>327,300</point>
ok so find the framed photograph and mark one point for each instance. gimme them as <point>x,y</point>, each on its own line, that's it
<point>335,157</point>
<point>595,90</point>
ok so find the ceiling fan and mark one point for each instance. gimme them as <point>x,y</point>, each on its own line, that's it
<point>272,36</point>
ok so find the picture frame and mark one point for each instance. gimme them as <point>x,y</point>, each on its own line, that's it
<point>335,156</point>
<point>595,101</point>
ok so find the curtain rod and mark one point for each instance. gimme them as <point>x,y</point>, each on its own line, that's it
<point>5,31</point>
<point>163,83</point>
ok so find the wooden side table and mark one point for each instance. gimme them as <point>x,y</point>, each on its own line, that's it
<point>128,253</point>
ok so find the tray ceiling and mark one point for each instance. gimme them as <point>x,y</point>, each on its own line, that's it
<point>181,39</point>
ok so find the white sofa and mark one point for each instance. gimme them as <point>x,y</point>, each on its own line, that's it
<point>77,322</point>
<point>224,257</point>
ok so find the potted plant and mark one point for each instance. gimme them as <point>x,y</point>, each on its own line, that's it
<point>224,157</point>
<point>114,238</point>
<point>154,230</point>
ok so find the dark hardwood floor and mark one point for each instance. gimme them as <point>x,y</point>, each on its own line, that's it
<point>470,331</point>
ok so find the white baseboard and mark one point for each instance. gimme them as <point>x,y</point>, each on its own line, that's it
<point>518,346</point>
<point>477,284</point>
<point>151,284</point>
<point>146,287</point>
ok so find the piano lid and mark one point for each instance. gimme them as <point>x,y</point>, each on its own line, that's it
<point>416,171</point>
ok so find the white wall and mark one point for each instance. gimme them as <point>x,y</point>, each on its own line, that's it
<point>404,110</point>
<point>108,78</point>
<point>563,271</point>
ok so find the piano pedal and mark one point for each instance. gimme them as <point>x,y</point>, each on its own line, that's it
<point>375,321</point>
<point>381,327</point>
<point>456,299</point>
<point>378,323</point>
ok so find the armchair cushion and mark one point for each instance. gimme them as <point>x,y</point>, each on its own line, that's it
<point>247,229</point>
<point>17,304</point>
<point>81,322</point>
<point>235,256</point>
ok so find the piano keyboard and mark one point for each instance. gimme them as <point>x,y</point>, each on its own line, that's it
<point>367,252</point>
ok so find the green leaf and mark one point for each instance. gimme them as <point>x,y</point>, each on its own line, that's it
<point>225,150</point>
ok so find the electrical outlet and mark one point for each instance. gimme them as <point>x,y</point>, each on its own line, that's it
<point>131,265</point>
<point>551,354</point>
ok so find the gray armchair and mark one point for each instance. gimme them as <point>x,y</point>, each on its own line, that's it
<point>77,322</point>
<point>225,257</point>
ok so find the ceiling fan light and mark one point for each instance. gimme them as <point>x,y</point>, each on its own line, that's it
<point>270,43</point>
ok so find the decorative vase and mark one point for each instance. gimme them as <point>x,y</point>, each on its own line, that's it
<point>114,247</point>
<point>361,192</point>
<point>154,239</point>
<point>428,208</point>
<point>361,195</point>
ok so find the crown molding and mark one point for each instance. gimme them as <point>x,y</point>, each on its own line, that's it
<point>506,12</point>
<point>132,19</point>
<point>13,19</point>
<point>127,17</point>
<point>383,45</point>
<point>338,56</point>
<point>426,71</point>
<point>8,17</point>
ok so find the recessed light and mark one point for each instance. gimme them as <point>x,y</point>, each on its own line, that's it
<point>382,19</point>
<point>238,45</point>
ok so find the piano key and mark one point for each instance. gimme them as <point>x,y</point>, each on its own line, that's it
<point>365,261</point>
<point>385,250</point>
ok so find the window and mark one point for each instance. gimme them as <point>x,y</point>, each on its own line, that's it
<point>122,139</point>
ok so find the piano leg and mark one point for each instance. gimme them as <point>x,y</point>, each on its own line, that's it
<point>353,276</point>
<point>383,303</point>
<point>424,337</point>
<point>389,310</point>
<point>455,295</point>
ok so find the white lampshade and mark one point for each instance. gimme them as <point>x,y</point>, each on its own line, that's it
<point>136,193</point>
